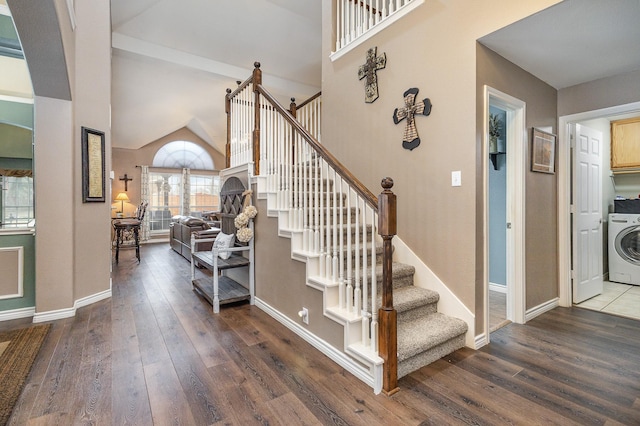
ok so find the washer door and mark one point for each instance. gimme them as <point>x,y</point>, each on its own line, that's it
<point>628,245</point>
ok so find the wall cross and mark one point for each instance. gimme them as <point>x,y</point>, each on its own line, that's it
<point>410,138</point>
<point>126,180</point>
<point>369,70</point>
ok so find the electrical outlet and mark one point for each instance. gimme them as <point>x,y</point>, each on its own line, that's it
<point>304,314</point>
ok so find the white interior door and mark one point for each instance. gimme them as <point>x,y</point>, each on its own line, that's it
<point>587,232</point>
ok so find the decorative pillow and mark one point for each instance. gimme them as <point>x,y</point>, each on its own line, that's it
<point>224,241</point>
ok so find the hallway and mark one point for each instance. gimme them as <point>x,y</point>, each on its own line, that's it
<point>155,354</point>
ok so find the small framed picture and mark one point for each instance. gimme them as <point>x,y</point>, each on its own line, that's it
<point>543,151</point>
<point>93,166</point>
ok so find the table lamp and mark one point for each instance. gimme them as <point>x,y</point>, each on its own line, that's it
<point>122,197</point>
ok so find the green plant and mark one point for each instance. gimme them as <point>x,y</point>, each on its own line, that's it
<point>495,126</point>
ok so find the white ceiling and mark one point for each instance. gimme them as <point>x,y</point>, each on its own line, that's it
<point>173,60</point>
<point>573,42</point>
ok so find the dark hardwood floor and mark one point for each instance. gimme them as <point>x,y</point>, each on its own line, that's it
<point>155,354</point>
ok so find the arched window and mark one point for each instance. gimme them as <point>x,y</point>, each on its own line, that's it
<point>183,155</point>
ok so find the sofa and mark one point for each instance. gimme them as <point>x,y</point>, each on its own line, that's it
<point>181,228</point>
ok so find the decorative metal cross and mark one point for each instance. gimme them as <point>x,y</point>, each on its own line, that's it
<point>126,180</point>
<point>410,138</point>
<point>369,70</point>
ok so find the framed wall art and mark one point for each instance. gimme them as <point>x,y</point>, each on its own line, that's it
<point>543,151</point>
<point>93,177</point>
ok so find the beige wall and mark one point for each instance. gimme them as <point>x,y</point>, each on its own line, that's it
<point>126,160</point>
<point>433,49</point>
<point>92,103</point>
<point>286,290</point>
<point>72,238</point>
<point>607,92</point>
<point>541,236</point>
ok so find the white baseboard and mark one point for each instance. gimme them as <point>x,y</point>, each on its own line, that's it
<point>85,301</point>
<point>541,308</point>
<point>334,354</point>
<point>54,315</point>
<point>70,312</point>
<point>480,341</point>
<point>17,313</point>
<point>498,288</point>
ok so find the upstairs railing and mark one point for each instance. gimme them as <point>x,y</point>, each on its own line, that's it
<point>357,17</point>
<point>336,217</point>
<point>308,113</point>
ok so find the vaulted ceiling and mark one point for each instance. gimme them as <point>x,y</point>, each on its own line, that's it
<point>173,60</point>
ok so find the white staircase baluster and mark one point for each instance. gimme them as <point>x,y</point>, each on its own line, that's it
<point>349,251</point>
<point>356,291</point>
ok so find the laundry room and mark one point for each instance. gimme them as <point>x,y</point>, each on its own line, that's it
<point>620,194</point>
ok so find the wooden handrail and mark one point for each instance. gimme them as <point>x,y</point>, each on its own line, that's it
<point>384,205</point>
<point>362,190</point>
<point>311,99</point>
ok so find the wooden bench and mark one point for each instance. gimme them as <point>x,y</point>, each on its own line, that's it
<point>227,283</point>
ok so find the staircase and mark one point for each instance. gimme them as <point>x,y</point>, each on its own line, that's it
<point>334,223</point>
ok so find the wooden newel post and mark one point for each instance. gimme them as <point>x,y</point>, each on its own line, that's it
<point>293,109</point>
<point>227,109</point>
<point>257,81</point>
<point>387,315</point>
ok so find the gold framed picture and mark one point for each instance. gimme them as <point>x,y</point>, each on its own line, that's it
<point>543,151</point>
<point>93,167</point>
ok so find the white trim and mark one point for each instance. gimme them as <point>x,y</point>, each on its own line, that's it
<point>449,304</point>
<point>564,192</point>
<point>17,231</point>
<point>20,277</point>
<point>71,312</point>
<point>498,288</point>
<point>480,341</point>
<point>4,10</point>
<point>541,309</point>
<point>17,313</point>
<point>334,354</point>
<point>72,14</point>
<point>516,156</point>
<point>17,99</point>
<point>89,300</point>
<point>405,10</point>
<point>54,315</point>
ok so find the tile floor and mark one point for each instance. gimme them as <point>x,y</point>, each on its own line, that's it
<point>618,299</point>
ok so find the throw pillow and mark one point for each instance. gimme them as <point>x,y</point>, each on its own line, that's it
<point>224,241</point>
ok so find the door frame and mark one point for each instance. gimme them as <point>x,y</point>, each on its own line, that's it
<point>565,176</point>
<point>516,144</point>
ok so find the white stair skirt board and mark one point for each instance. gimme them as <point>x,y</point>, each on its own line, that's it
<point>449,304</point>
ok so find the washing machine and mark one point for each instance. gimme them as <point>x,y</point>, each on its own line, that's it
<point>624,248</point>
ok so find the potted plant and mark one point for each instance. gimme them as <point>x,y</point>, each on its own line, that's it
<point>495,131</point>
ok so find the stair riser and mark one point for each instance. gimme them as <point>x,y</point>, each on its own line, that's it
<point>425,358</point>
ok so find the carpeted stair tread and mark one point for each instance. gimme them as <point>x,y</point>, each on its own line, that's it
<point>420,334</point>
<point>412,297</point>
<point>402,275</point>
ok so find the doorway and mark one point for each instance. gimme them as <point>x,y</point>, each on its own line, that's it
<point>504,185</point>
<point>565,183</point>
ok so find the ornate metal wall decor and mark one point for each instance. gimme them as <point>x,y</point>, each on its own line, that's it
<point>369,70</point>
<point>410,138</point>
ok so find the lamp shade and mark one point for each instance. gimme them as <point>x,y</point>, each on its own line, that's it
<point>122,197</point>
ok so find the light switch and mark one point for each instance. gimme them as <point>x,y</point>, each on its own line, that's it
<point>456,178</point>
